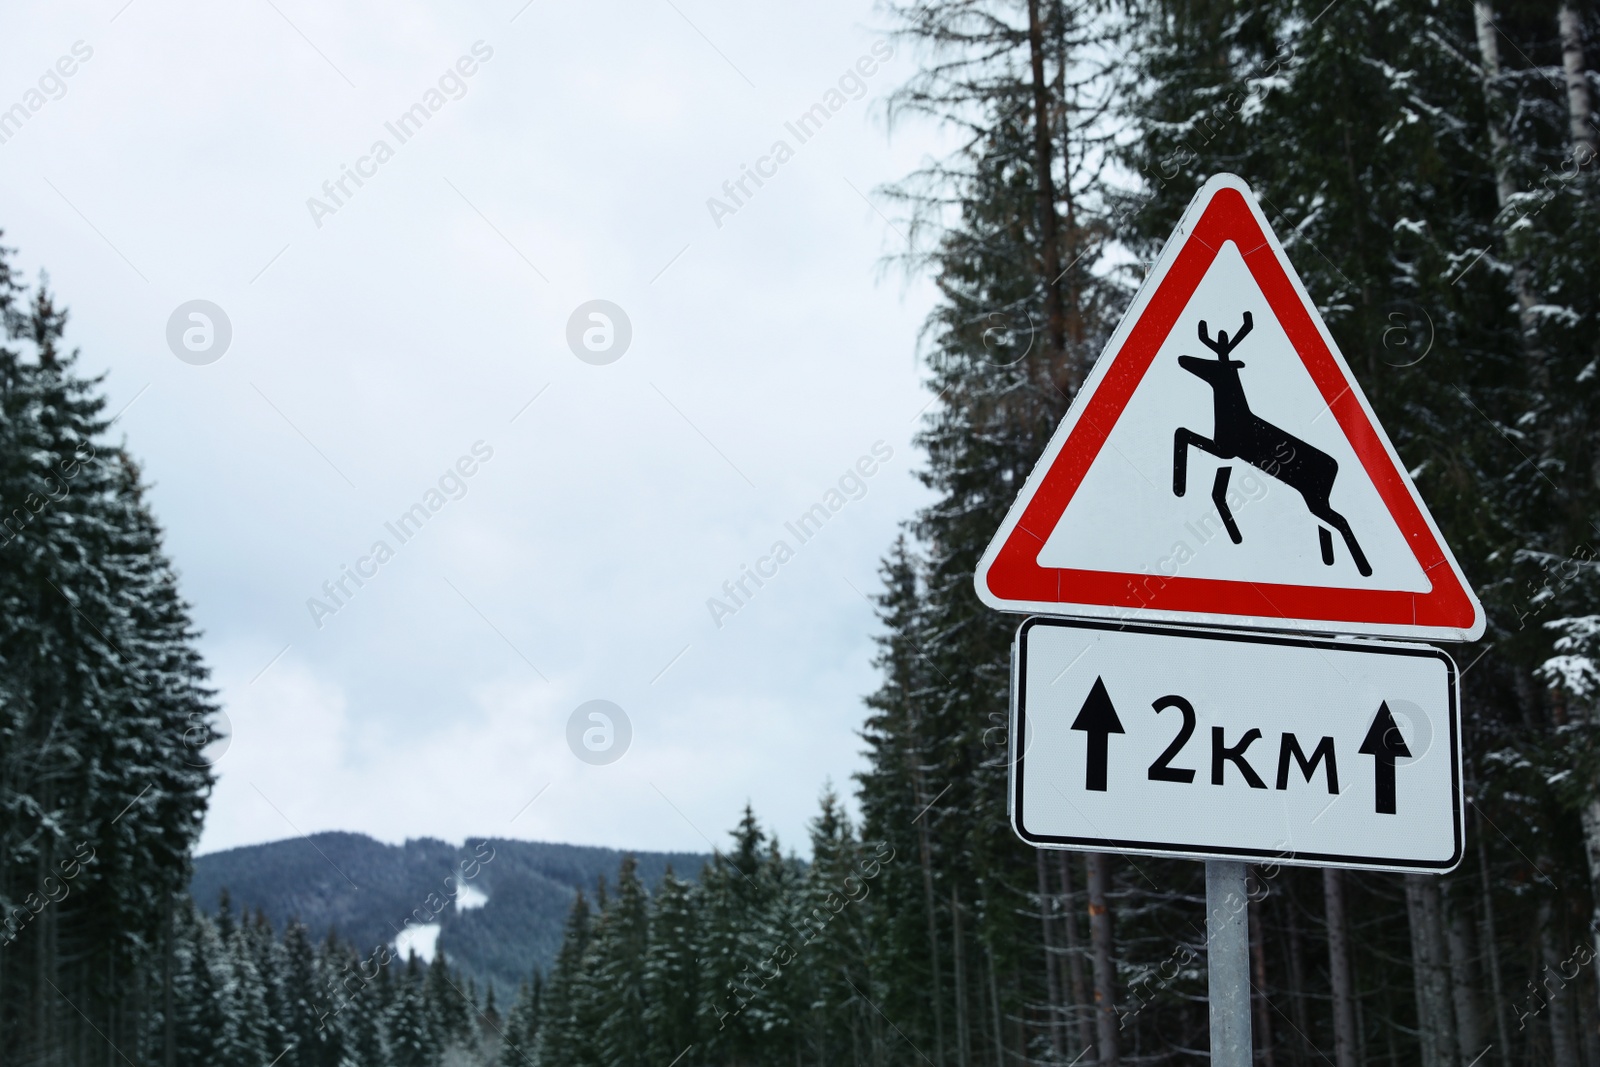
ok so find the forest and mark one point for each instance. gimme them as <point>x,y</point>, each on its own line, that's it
<point>1430,170</point>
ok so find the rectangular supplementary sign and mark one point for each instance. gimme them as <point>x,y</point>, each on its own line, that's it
<point>1218,744</point>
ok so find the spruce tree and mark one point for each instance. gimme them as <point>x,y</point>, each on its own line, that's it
<point>240,990</point>
<point>520,1031</point>
<point>829,924</point>
<point>621,949</point>
<point>671,973</point>
<point>1025,85</point>
<point>102,686</point>
<point>308,1042</point>
<point>562,1038</point>
<point>450,1014</point>
<point>737,894</point>
<point>200,1013</point>
<point>412,1042</point>
<point>271,963</point>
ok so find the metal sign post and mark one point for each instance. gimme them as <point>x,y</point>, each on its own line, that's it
<point>1228,963</point>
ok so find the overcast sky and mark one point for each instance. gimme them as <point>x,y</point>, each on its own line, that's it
<point>397,333</point>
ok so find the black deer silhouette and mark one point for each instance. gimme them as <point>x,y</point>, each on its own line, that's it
<point>1240,434</point>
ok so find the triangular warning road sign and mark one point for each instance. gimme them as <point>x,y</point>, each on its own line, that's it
<point>1221,465</point>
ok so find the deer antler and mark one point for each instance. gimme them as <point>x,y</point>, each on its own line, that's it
<point>1223,346</point>
<point>1244,331</point>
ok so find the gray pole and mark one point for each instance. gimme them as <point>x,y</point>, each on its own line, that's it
<point>1228,963</point>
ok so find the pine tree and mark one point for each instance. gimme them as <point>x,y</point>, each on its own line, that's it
<point>562,1038</point>
<point>98,791</point>
<point>520,1033</point>
<point>411,1043</point>
<point>671,974</point>
<point>269,956</point>
<point>199,1016</point>
<point>1024,84</point>
<point>240,990</point>
<point>831,941</point>
<point>377,1002</point>
<point>354,1007</point>
<point>896,801</point>
<point>450,1013</point>
<point>620,950</point>
<point>737,891</point>
<point>308,1042</point>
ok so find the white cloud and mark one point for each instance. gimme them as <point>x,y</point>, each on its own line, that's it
<point>372,352</point>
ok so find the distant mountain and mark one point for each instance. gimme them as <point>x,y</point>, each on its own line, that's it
<point>503,922</point>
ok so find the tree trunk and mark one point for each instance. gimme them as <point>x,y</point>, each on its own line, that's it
<point>1589,1027</point>
<point>1591,840</point>
<point>1049,227</point>
<point>1071,296</point>
<point>1080,988</point>
<point>1105,973</point>
<point>45,1037</point>
<point>1052,984</point>
<point>1563,1053</point>
<point>1258,968</point>
<point>1297,985</point>
<point>1344,1019</point>
<point>1505,188</point>
<point>1435,1025</point>
<point>1492,949</point>
<point>1489,54</point>
<point>925,848</point>
<point>168,1045</point>
<point>994,1004</point>
<point>1361,1031</point>
<point>933,947</point>
<point>1579,105</point>
<point>1458,937</point>
<point>959,977</point>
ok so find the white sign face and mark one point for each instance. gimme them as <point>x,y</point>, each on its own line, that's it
<point>1225,745</point>
<point>1126,515</point>
<point>1222,466</point>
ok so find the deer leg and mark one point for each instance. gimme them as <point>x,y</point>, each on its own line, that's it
<point>1325,539</point>
<point>1337,521</point>
<point>1180,461</point>
<point>1181,442</point>
<point>1219,497</point>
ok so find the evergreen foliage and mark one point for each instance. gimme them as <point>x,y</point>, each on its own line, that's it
<point>104,708</point>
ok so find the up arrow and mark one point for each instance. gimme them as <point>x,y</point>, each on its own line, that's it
<point>1099,720</point>
<point>1384,743</point>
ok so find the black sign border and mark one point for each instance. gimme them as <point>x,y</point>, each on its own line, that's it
<point>1019,656</point>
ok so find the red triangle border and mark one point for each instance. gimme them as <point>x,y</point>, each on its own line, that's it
<point>1015,575</point>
